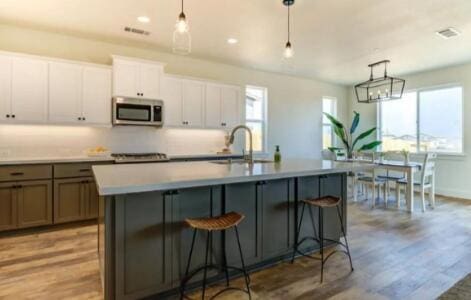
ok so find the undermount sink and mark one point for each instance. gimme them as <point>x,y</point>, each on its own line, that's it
<point>241,161</point>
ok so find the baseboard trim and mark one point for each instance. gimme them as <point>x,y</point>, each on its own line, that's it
<point>466,195</point>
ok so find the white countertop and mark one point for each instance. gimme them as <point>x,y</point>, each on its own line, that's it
<point>16,160</point>
<point>135,178</point>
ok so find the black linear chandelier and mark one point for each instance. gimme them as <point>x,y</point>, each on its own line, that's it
<point>382,88</point>
<point>289,52</point>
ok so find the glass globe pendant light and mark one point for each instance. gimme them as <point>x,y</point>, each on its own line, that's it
<point>288,52</point>
<point>181,35</point>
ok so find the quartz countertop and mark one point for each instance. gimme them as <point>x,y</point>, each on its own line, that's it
<point>136,178</point>
<point>17,160</point>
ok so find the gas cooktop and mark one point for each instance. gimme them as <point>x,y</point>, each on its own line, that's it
<point>139,157</point>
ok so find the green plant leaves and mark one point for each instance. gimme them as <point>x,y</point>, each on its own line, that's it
<point>356,121</point>
<point>333,120</point>
<point>363,135</point>
<point>370,146</point>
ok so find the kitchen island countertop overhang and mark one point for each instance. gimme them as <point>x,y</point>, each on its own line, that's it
<point>137,178</point>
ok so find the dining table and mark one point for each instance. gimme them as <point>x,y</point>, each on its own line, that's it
<point>407,168</point>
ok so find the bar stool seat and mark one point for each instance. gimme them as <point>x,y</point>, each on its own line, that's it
<point>210,224</point>
<point>222,222</point>
<point>321,203</point>
<point>327,201</point>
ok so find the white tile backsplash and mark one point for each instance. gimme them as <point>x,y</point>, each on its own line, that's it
<point>38,140</point>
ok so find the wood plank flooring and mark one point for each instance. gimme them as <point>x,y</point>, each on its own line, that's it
<point>396,255</point>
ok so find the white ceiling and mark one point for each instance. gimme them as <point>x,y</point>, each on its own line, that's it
<point>333,40</point>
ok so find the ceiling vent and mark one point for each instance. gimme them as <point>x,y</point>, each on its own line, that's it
<point>448,33</point>
<point>136,30</point>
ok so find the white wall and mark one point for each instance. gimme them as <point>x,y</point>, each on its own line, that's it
<point>294,105</point>
<point>453,173</point>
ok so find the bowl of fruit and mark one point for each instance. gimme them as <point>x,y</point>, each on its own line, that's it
<point>99,151</point>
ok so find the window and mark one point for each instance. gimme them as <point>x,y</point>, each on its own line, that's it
<point>255,115</point>
<point>425,120</point>
<point>329,105</point>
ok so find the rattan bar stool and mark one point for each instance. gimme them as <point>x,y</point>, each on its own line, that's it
<point>219,223</point>
<point>322,203</point>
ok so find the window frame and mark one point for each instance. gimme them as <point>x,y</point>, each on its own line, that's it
<point>264,120</point>
<point>418,91</point>
<point>328,124</point>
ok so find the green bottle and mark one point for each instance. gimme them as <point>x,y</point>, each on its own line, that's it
<point>277,157</point>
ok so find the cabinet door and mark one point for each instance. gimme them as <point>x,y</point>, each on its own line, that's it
<point>91,199</point>
<point>193,99</point>
<point>8,206</point>
<point>69,200</point>
<point>230,107</point>
<point>277,216</point>
<point>332,185</point>
<point>29,90</point>
<point>125,78</point>
<point>96,95</point>
<point>149,81</point>
<point>34,203</point>
<point>5,88</point>
<point>65,82</point>
<point>213,106</point>
<point>193,203</point>
<point>244,198</point>
<point>172,97</point>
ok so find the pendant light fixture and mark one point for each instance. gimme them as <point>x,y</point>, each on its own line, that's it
<point>181,35</point>
<point>288,52</point>
<point>381,88</point>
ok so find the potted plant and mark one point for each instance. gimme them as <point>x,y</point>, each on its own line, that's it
<point>347,136</point>
<point>406,155</point>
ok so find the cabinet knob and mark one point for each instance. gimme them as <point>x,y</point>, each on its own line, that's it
<point>83,118</point>
<point>13,116</point>
<point>79,118</point>
<point>8,116</point>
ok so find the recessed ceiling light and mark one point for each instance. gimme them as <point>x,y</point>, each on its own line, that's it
<point>143,19</point>
<point>232,41</point>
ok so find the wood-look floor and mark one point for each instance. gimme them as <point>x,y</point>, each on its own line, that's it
<point>396,255</point>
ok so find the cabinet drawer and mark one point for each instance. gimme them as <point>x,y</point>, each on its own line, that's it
<point>28,172</point>
<point>75,170</point>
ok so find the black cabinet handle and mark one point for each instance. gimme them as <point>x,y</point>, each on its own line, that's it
<point>79,118</point>
<point>13,116</point>
<point>17,174</point>
<point>8,116</point>
<point>84,170</point>
<point>17,186</point>
<point>83,118</point>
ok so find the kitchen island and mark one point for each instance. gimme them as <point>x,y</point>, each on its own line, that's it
<point>144,243</point>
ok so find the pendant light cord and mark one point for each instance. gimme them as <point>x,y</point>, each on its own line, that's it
<point>288,24</point>
<point>182,5</point>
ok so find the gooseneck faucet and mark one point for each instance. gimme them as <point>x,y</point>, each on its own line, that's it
<point>248,158</point>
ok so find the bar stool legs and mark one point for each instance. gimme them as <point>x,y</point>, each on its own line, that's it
<point>318,237</point>
<point>221,223</point>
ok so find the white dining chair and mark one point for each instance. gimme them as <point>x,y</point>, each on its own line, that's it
<point>371,180</point>
<point>426,181</point>
<point>392,176</point>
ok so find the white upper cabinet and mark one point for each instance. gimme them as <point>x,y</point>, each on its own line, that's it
<point>79,94</point>
<point>29,90</point>
<point>193,101</point>
<point>222,106</point>
<point>172,95</point>
<point>230,108</point>
<point>213,106</point>
<point>5,88</point>
<point>65,88</point>
<point>136,78</point>
<point>96,95</point>
<point>183,102</point>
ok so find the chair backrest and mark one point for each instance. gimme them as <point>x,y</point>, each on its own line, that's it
<point>428,168</point>
<point>328,155</point>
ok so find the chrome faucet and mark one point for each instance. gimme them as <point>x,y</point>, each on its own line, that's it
<point>248,158</point>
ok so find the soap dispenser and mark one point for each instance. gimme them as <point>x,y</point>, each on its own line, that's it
<point>277,156</point>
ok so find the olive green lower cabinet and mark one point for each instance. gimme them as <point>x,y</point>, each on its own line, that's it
<point>144,242</point>
<point>75,199</point>
<point>25,204</point>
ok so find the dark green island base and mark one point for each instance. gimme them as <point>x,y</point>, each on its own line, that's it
<point>144,242</point>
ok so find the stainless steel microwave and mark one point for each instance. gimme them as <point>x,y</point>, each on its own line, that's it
<point>131,111</point>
